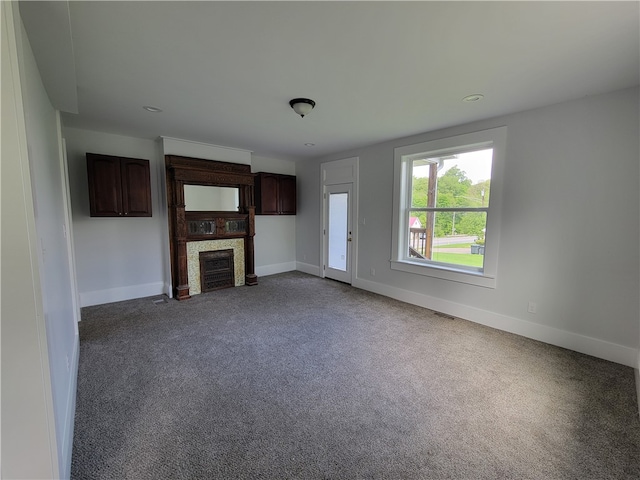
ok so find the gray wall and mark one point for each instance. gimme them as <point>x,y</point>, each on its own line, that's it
<point>39,330</point>
<point>47,174</point>
<point>275,240</point>
<point>116,258</point>
<point>570,227</point>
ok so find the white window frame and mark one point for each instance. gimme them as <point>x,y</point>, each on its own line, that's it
<point>494,138</point>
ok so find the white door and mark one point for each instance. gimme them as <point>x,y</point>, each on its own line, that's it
<point>338,229</point>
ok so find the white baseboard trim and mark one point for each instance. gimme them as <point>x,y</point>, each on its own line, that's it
<point>561,338</point>
<point>267,270</point>
<point>70,413</point>
<point>307,268</point>
<point>110,295</point>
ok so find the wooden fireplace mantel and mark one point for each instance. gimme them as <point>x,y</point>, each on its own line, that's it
<point>181,171</point>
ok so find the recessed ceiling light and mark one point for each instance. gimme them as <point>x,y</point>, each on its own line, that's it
<point>309,144</point>
<point>151,109</point>
<point>473,98</point>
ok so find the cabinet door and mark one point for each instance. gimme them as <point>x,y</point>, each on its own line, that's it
<point>136,187</point>
<point>287,195</point>
<point>105,188</point>
<point>268,194</point>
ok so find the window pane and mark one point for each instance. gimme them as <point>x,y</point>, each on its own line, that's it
<point>419,238</point>
<point>338,217</point>
<point>460,180</point>
<point>458,238</point>
<point>423,183</point>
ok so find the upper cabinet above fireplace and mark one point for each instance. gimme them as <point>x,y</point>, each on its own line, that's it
<point>118,187</point>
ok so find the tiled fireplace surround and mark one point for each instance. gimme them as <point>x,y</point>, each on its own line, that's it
<point>193,260</point>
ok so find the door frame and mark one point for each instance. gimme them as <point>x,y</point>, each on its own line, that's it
<point>333,173</point>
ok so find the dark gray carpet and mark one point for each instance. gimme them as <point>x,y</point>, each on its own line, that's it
<point>301,377</point>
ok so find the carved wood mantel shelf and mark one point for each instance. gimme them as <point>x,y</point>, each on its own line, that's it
<point>193,226</point>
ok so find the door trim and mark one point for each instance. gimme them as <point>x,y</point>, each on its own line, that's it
<point>333,173</point>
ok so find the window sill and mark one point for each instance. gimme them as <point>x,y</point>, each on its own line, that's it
<point>444,273</point>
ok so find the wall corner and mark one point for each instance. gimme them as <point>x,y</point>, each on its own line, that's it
<point>637,372</point>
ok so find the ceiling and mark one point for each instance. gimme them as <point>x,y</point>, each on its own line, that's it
<point>224,72</point>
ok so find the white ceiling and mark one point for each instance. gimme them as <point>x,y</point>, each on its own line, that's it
<point>224,72</point>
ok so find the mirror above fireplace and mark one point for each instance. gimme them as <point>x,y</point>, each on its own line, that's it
<point>208,198</point>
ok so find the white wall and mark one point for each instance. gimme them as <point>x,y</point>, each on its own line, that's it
<point>116,258</point>
<point>39,335</point>
<point>308,224</point>
<point>44,145</point>
<point>570,227</point>
<point>188,148</point>
<point>275,240</point>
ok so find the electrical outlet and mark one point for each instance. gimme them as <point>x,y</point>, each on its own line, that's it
<point>373,272</point>
<point>68,364</point>
<point>532,307</point>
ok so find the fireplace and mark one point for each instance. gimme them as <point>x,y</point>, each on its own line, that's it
<point>191,230</point>
<point>195,250</point>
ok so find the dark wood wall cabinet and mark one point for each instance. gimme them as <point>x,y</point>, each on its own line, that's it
<point>118,186</point>
<point>275,194</point>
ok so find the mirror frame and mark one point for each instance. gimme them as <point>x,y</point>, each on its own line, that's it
<point>181,171</point>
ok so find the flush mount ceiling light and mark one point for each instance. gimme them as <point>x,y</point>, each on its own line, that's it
<point>302,106</point>
<point>476,97</point>
<point>151,109</point>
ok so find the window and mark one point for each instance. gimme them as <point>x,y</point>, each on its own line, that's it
<point>446,203</point>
